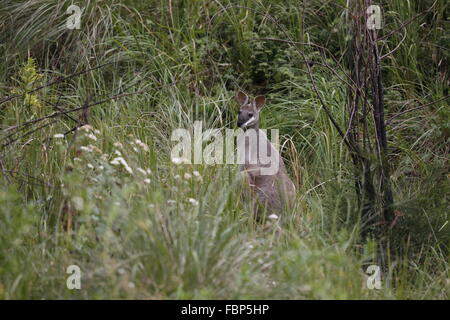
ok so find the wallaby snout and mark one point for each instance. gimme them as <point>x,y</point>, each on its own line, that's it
<point>244,118</point>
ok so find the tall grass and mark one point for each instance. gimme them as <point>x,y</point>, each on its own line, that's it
<point>153,229</point>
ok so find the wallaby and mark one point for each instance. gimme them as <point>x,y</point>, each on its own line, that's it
<point>271,191</point>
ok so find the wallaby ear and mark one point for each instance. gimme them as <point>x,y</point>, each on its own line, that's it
<point>241,98</point>
<point>259,102</point>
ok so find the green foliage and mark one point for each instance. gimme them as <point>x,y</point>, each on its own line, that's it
<point>28,80</point>
<point>108,198</point>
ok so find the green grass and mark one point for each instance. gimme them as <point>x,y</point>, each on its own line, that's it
<point>186,233</point>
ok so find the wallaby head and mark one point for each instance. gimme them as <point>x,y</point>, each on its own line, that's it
<point>248,116</point>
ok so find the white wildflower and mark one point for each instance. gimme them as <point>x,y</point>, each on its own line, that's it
<point>94,148</point>
<point>96,131</point>
<point>116,161</point>
<point>141,144</point>
<point>92,136</point>
<point>86,128</point>
<point>197,176</point>
<point>147,180</point>
<point>187,176</point>
<point>129,170</point>
<point>120,160</point>
<point>117,152</point>
<point>90,166</point>
<point>273,217</point>
<point>149,171</point>
<point>142,171</point>
<point>193,201</point>
<point>178,161</point>
<point>177,177</point>
<point>86,148</point>
<point>58,136</point>
<point>170,201</point>
<point>117,145</point>
<point>76,159</point>
<point>101,167</point>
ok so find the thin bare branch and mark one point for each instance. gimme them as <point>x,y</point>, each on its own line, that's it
<point>419,107</point>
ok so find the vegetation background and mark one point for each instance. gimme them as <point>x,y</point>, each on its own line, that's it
<point>108,198</point>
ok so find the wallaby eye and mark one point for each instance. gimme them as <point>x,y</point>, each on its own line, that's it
<point>250,114</point>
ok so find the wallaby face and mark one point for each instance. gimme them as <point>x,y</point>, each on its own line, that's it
<point>248,116</point>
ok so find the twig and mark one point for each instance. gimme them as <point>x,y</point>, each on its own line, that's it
<point>396,48</point>
<point>419,107</point>
<point>405,23</point>
<point>39,181</point>
<point>83,107</point>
